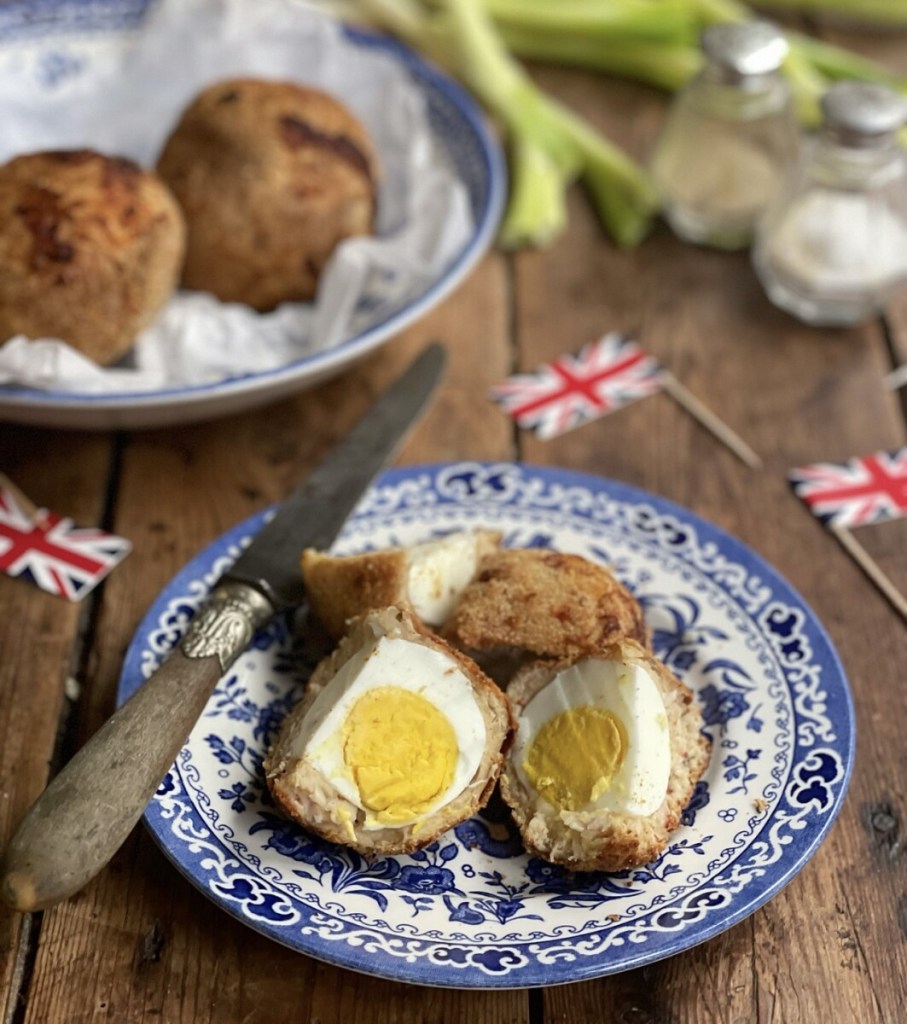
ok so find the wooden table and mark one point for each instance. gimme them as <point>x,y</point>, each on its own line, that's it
<point>140,944</point>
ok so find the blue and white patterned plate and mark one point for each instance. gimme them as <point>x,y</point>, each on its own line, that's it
<point>473,910</point>
<point>56,40</point>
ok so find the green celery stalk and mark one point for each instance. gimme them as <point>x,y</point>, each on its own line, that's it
<point>536,208</point>
<point>880,12</point>
<point>837,62</point>
<point>622,192</point>
<point>666,65</point>
<point>712,11</point>
<point>806,85</point>
<point>611,19</point>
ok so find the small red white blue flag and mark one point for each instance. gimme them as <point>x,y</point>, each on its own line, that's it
<point>866,489</point>
<point>575,389</point>
<point>52,552</point>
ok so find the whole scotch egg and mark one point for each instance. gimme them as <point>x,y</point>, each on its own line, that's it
<point>607,753</point>
<point>397,739</point>
<point>91,249</point>
<point>271,176</point>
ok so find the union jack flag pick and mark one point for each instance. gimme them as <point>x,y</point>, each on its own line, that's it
<point>575,389</point>
<point>868,489</point>
<point>51,551</point>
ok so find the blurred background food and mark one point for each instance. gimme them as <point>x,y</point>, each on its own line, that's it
<point>655,41</point>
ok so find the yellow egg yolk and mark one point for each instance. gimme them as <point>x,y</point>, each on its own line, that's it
<point>575,755</point>
<point>401,751</point>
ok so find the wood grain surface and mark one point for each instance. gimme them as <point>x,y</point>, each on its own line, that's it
<point>139,944</point>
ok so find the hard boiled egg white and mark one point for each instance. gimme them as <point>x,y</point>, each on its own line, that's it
<point>396,731</point>
<point>596,738</point>
<point>438,572</point>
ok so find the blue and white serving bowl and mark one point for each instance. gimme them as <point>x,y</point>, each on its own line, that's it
<point>57,46</point>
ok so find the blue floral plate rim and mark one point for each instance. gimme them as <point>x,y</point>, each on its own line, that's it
<point>475,939</point>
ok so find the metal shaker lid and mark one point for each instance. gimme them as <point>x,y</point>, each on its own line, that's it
<point>744,48</point>
<point>862,114</point>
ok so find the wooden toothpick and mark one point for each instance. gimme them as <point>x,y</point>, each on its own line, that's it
<point>897,378</point>
<point>859,554</point>
<point>709,420</point>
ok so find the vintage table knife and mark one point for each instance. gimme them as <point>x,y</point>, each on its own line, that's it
<point>88,810</point>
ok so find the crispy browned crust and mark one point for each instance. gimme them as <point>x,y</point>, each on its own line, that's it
<point>602,840</point>
<point>343,587</point>
<point>309,799</point>
<point>545,602</point>
<point>271,175</point>
<point>91,247</point>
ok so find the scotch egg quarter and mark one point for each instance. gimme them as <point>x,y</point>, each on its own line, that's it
<point>427,578</point>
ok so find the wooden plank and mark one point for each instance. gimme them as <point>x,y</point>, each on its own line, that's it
<point>139,942</point>
<point>33,674</point>
<point>719,974</point>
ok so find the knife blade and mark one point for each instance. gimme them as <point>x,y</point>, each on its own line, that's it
<point>87,811</point>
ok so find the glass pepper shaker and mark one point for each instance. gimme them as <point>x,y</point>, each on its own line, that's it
<point>730,136</point>
<point>832,247</point>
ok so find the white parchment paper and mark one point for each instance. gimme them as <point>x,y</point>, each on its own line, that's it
<point>126,100</point>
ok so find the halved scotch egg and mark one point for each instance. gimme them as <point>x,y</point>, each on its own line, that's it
<point>397,739</point>
<point>428,578</point>
<point>548,603</point>
<point>607,752</point>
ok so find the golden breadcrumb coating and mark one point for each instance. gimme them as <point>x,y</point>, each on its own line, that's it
<point>545,602</point>
<point>272,176</point>
<point>91,248</point>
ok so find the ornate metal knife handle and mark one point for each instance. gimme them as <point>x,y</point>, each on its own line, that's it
<point>224,626</point>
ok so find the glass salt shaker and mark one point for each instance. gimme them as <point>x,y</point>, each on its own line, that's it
<point>832,247</point>
<point>730,136</point>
